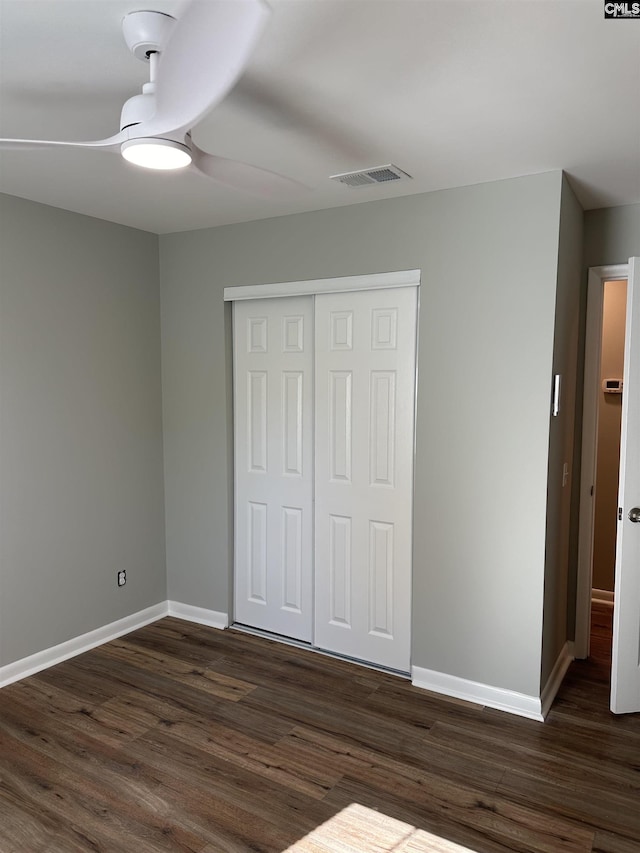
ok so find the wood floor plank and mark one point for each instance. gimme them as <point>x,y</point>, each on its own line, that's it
<point>104,727</point>
<point>605,842</point>
<point>353,759</point>
<point>204,678</point>
<point>227,781</point>
<point>300,669</point>
<point>598,810</point>
<point>167,709</point>
<point>558,761</point>
<point>346,718</point>
<point>412,705</point>
<point>474,827</point>
<point>516,824</point>
<point>232,807</point>
<point>74,677</point>
<point>276,762</point>
<point>23,826</point>
<point>186,641</point>
<point>360,830</point>
<point>95,814</point>
<point>154,659</point>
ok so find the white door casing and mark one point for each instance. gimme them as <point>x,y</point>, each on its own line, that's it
<point>588,486</point>
<point>625,672</point>
<point>273,403</point>
<point>364,435</point>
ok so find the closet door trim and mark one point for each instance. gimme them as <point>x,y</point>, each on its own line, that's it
<point>402,278</point>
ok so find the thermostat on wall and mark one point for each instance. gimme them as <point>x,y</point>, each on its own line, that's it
<point>612,386</point>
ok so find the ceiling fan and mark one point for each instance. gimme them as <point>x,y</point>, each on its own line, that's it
<point>193,63</point>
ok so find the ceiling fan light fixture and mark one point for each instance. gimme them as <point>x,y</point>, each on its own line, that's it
<point>150,153</point>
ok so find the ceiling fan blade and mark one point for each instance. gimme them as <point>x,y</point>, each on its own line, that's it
<point>204,57</point>
<point>242,176</point>
<point>28,144</point>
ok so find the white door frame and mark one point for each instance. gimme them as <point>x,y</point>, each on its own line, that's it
<point>309,287</point>
<point>592,357</point>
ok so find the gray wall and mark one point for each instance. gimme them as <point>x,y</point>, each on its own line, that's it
<point>611,235</point>
<point>561,433</point>
<point>489,257</point>
<point>81,478</point>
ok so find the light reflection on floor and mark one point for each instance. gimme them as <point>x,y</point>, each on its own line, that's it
<point>358,829</point>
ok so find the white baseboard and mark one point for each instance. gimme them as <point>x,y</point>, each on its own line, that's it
<point>85,642</point>
<point>482,694</point>
<point>562,664</point>
<point>602,596</point>
<point>56,654</point>
<point>212,618</point>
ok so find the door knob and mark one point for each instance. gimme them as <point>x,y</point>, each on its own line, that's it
<point>634,514</point>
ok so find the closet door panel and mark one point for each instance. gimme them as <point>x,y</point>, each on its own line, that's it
<point>364,417</point>
<point>273,402</point>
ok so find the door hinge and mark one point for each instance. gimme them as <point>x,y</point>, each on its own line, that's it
<point>619,513</point>
<point>591,491</point>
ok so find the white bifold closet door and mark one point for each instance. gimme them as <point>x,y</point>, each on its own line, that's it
<point>324,416</point>
<point>364,416</point>
<point>273,369</point>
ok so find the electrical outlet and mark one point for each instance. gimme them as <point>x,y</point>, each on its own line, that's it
<point>122,577</point>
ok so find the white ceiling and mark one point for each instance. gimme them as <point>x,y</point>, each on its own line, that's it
<point>454,92</point>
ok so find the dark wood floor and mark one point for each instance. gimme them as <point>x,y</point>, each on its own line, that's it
<point>184,738</point>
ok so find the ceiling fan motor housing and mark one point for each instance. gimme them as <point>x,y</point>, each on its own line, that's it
<point>147,32</point>
<point>137,109</point>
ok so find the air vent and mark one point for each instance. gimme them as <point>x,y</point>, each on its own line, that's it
<point>377,175</point>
